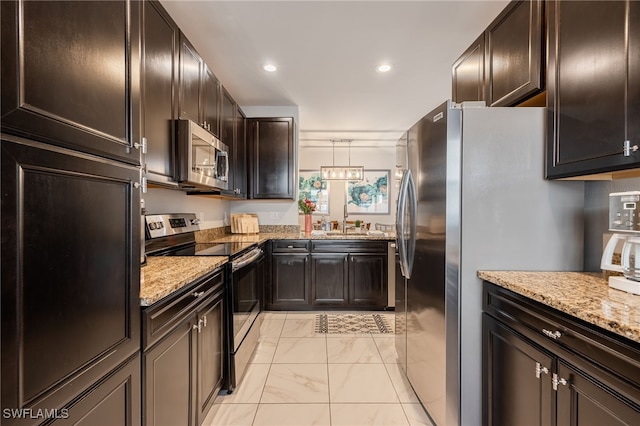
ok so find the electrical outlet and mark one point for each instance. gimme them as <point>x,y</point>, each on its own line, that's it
<point>274,215</point>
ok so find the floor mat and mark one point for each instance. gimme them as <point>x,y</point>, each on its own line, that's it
<point>353,323</point>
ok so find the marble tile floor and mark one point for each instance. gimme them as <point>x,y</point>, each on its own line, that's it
<point>299,378</point>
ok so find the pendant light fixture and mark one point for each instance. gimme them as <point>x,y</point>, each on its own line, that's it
<point>333,172</point>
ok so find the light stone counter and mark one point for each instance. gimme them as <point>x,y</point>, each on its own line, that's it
<point>265,236</point>
<point>586,296</point>
<point>162,275</point>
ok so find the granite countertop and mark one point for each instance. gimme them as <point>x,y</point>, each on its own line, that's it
<point>163,275</point>
<point>584,295</point>
<point>316,235</point>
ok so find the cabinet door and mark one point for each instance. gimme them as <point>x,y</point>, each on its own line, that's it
<point>368,280</point>
<point>240,156</point>
<point>228,135</point>
<point>210,354</point>
<point>168,379</point>
<point>290,281</point>
<point>513,57</point>
<point>115,401</point>
<point>330,279</point>
<point>191,67</point>
<point>211,102</point>
<point>468,73</point>
<point>59,85</point>
<point>517,391</point>
<point>272,158</point>
<point>159,82</point>
<point>70,271</point>
<point>587,88</point>
<point>584,400</point>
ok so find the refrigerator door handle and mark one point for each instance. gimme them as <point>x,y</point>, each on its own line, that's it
<point>406,247</point>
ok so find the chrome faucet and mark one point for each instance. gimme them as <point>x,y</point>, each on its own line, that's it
<point>344,219</point>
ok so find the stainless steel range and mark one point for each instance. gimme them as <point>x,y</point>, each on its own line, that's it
<point>174,235</point>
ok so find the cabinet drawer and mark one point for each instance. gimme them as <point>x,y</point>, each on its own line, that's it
<point>348,246</point>
<point>290,246</point>
<point>159,318</point>
<point>572,338</point>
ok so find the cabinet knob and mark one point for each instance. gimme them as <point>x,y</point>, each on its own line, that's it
<point>289,247</point>
<point>555,335</point>
<point>541,370</point>
<point>198,293</point>
<point>198,326</point>
<point>558,381</point>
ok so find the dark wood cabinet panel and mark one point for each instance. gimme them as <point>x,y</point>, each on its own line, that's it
<point>587,95</point>
<point>240,156</point>
<point>168,380</point>
<point>591,377</point>
<point>584,401</point>
<point>115,401</point>
<point>191,69</point>
<point>272,158</point>
<point>330,279</point>
<point>514,57</point>
<point>368,280</point>
<point>59,86</point>
<point>184,352</point>
<point>633,97</point>
<point>518,388</point>
<point>468,73</point>
<point>211,349</point>
<point>289,282</point>
<point>159,88</point>
<point>211,102</point>
<point>90,255</point>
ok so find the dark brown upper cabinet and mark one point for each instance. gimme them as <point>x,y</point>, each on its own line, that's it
<point>272,158</point>
<point>191,71</point>
<point>210,102</point>
<point>160,38</point>
<point>593,87</point>
<point>76,83</point>
<point>513,54</point>
<point>468,73</point>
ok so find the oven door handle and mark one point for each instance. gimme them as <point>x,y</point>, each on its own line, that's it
<point>246,259</point>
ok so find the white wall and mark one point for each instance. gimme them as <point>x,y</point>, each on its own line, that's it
<point>311,158</point>
<point>212,212</point>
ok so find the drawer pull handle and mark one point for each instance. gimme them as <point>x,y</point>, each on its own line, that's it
<point>204,321</point>
<point>541,370</point>
<point>289,247</point>
<point>558,381</point>
<point>198,293</point>
<point>555,335</point>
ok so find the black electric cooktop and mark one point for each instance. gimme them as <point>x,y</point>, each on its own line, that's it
<point>221,249</point>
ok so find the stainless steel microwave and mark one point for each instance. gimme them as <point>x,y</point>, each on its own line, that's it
<point>203,160</point>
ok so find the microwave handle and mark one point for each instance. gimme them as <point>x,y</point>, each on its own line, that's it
<point>223,156</point>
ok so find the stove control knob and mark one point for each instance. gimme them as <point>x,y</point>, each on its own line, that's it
<point>195,221</point>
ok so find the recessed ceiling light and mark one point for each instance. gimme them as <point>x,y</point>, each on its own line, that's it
<point>269,68</point>
<point>384,68</point>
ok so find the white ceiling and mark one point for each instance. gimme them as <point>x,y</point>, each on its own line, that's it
<point>327,52</point>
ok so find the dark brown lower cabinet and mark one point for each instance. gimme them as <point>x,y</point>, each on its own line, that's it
<point>326,274</point>
<point>183,369</point>
<point>518,380</point>
<point>582,375</point>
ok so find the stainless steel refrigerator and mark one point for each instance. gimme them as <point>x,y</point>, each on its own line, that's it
<point>472,197</point>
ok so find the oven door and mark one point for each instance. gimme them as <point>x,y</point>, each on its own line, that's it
<point>246,291</point>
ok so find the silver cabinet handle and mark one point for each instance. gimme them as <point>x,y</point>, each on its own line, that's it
<point>198,326</point>
<point>555,335</point>
<point>198,294</point>
<point>558,381</point>
<point>289,247</point>
<point>204,321</point>
<point>541,370</point>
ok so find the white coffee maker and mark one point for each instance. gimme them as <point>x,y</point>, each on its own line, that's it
<point>624,220</point>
